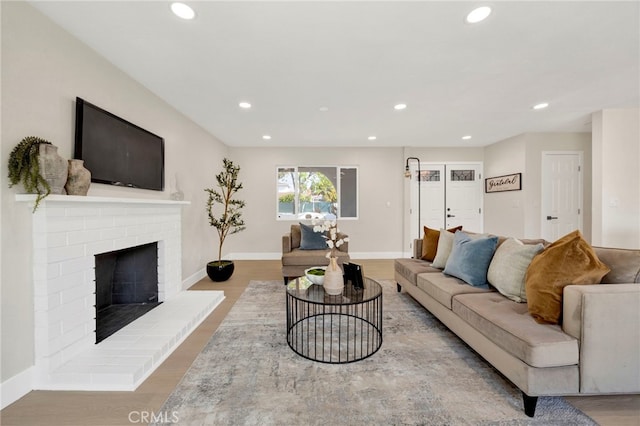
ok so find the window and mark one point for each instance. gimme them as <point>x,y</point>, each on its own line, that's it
<point>325,192</point>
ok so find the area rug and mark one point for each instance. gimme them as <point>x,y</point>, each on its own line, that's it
<point>422,375</point>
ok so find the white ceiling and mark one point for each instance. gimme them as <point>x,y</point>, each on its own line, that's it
<point>359,59</point>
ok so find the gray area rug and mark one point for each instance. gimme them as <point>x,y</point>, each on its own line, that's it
<point>422,375</point>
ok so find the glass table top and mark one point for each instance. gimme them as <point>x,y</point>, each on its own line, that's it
<point>303,289</point>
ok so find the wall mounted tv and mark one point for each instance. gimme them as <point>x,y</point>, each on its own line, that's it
<point>116,151</point>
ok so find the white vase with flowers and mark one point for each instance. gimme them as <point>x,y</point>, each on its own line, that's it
<point>333,278</point>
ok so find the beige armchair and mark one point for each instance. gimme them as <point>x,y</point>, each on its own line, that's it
<point>296,260</point>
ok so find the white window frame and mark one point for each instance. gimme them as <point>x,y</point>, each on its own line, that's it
<point>295,216</point>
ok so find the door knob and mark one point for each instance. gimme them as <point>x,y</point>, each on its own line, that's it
<point>451,215</point>
<point>551,217</point>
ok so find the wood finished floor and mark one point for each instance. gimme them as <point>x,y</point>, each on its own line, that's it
<point>115,408</point>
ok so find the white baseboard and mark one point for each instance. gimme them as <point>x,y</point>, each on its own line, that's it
<point>253,256</point>
<point>277,256</point>
<point>16,387</point>
<point>194,278</point>
<point>375,255</point>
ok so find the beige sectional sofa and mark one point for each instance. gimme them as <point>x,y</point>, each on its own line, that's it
<point>596,349</point>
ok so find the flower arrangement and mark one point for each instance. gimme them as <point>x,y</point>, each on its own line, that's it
<point>331,231</point>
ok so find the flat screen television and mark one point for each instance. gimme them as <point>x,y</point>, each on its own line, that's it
<point>118,152</point>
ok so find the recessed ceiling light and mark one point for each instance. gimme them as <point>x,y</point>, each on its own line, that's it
<point>400,106</point>
<point>541,105</point>
<point>266,137</point>
<point>244,105</point>
<point>182,10</point>
<point>324,109</point>
<point>478,14</point>
<point>372,138</point>
<point>466,138</point>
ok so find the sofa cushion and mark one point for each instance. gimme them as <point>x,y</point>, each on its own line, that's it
<point>311,240</point>
<point>470,258</point>
<point>410,268</point>
<point>443,287</point>
<point>430,242</point>
<point>624,265</point>
<point>509,325</point>
<point>509,267</point>
<point>569,260</point>
<point>445,243</point>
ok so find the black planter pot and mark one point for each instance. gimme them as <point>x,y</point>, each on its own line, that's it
<point>220,270</point>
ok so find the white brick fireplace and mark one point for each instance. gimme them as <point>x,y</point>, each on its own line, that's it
<point>68,231</point>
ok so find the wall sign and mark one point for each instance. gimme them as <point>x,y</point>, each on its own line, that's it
<point>511,182</point>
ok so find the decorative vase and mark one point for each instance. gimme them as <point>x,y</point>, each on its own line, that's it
<point>53,168</point>
<point>333,280</point>
<point>78,179</point>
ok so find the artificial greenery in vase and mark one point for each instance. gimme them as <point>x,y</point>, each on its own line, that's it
<point>229,220</point>
<point>24,167</point>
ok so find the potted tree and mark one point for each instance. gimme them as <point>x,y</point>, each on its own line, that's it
<point>228,220</point>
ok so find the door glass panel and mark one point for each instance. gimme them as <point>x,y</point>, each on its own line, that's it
<point>430,175</point>
<point>463,175</point>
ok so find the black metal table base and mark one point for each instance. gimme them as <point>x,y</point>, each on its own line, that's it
<point>334,329</point>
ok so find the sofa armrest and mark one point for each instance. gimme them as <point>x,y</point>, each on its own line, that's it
<point>286,243</point>
<point>604,318</point>
<point>417,248</point>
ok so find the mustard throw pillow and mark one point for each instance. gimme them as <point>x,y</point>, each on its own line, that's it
<point>569,260</point>
<point>430,242</point>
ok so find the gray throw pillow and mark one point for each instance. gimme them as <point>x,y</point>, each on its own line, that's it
<point>311,240</point>
<point>509,266</point>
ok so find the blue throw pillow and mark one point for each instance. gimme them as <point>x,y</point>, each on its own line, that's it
<point>470,258</point>
<point>311,240</point>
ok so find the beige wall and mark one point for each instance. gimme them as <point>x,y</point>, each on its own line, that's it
<point>44,69</point>
<point>375,232</point>
<point>616,178</point>
<point>504,212</point>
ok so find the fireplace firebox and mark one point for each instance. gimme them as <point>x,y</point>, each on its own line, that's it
<point>126,287</point>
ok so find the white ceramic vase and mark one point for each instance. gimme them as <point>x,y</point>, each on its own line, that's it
<point>333,280</point>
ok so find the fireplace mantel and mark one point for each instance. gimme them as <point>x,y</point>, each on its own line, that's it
<point>57,199</point>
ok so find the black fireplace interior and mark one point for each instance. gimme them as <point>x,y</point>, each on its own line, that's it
<point>126,287</point>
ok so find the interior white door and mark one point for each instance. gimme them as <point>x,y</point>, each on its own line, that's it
<point>464,196</point>
<point>561,193</point>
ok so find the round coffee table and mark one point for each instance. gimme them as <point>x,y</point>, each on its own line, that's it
<point>334,329</point>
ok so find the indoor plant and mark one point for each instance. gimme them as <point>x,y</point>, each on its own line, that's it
<point>25,168</point>
<point>229,220</point>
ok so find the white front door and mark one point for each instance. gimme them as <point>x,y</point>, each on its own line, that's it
<point>450,195</point>
<point>432,195</point>
<point>464,192</point>
<point>561,193</point>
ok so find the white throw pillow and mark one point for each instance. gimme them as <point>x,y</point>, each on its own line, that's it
<point>445,243</point>
<point>508,268</point>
